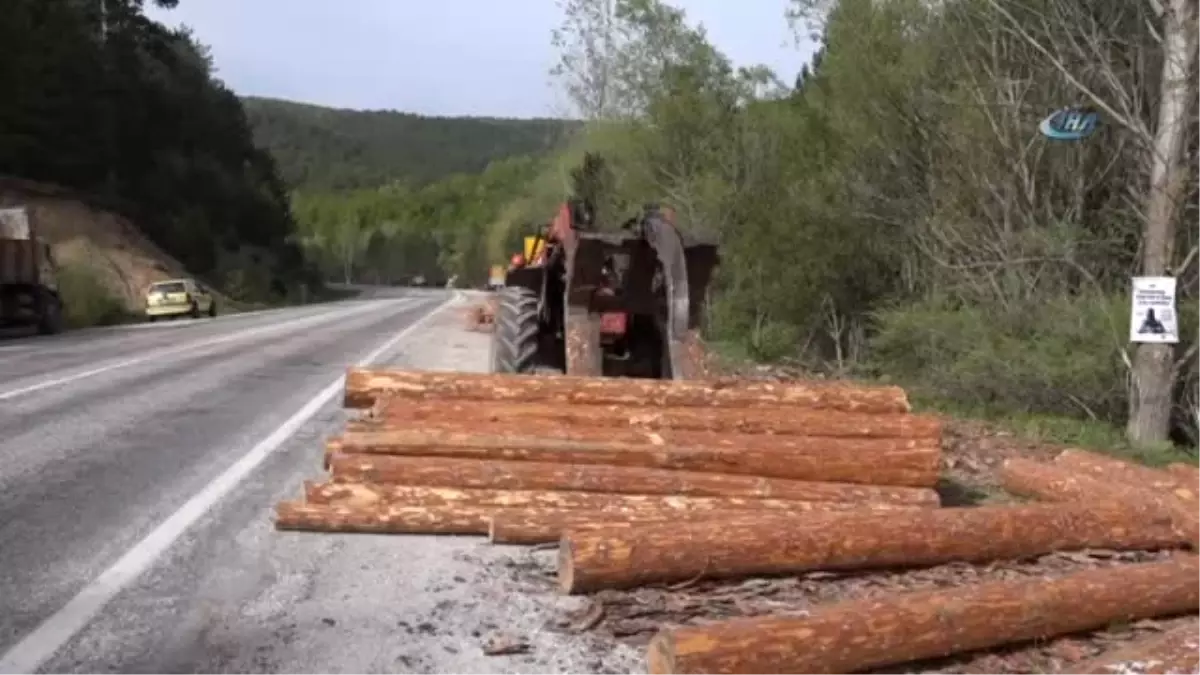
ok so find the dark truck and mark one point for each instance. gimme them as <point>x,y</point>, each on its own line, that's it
<point>28,275</point>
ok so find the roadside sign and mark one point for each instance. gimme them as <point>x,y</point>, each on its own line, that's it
<point>1153,318</point>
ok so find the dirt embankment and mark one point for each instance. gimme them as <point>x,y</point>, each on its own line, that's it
<point>86,233</point>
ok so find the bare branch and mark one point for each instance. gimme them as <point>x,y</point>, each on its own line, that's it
<point>1132,124</point>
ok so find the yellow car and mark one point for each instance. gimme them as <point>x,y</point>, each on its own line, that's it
<point>179,297</point>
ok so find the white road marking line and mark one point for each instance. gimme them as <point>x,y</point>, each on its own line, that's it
<point>37,647</point>
<point>231,337</point>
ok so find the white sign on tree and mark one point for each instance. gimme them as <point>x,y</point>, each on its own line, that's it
<point>1153,318</point>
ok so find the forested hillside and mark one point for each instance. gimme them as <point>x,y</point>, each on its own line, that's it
<point>382,196</point>
<point>98,98</point>
<point>319,148</point>
<point>897,214</point>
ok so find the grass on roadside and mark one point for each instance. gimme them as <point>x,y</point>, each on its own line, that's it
<point>1061,430</point>
<point>1037,427</point>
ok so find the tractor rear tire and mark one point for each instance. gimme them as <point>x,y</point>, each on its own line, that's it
<point>515,336</point>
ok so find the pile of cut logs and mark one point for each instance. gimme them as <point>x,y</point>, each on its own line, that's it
<point>646,482</point>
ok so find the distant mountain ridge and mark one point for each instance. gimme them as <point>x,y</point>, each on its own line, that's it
<point>322,148</point>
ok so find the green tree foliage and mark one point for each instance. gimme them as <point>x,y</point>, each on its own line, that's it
<point>895,213</point>
<point>383,196</point>
<point>392,233</point>
<point>326,149</point>
<point>99,98</point>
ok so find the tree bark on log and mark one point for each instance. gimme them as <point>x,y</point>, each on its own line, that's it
<point>364,387</point>
<point>521,432</point>
<point>539,418</point>
<point>1051,482</point>
<point>515,475</point>
<point>333,447</point>
<point>445,519</point>
<point>1174,651</point>
<point>1188,475</point>
<point>542,526</point>
<point>528,527</point>
<point>850,636</point>
<point>1115,470</point>
<point>765,544</point>
<point>875,462</point>
<point>370,495</point>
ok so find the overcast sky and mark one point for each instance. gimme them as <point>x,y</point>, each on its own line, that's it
<point>440,57</point>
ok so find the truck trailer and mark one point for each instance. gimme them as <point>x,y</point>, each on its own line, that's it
<point>29,294</point>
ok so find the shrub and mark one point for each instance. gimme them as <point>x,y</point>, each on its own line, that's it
<point>1061,356</point>
<point>87,300</point>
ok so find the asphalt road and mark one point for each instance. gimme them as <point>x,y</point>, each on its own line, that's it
<point>132,456</point>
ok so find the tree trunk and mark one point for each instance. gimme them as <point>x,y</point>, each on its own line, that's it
<point>1113,470</point>
<point>444,519</point>
<point>512,475</point>
<point>1174,651</point>
<point>855,635</point>
<point>1152,382</point>
<point>870,461</point>
<point>361,495</point>
<point>1150,396</point>
<point>763,544</point>
<point>364,386</point>
<point>762,420</point>
<point>1049,482</point>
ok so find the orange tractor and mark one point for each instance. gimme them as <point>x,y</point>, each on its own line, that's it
<point>584,302</point>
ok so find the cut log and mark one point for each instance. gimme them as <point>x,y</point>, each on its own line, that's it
<point>1174,651</point>
<point>443,519</point>
<point>764,544</point>
<point>513,475</point>
<point>850,636</point>
<point>534,434</point>
<point>370,495</point>
<point>528,527</point>
<point>1056,483</point>
<point>542,419</point>
<point>364,387</point>
<point>333,447</point>
<point>871,461</point>
<point>1116,470</point>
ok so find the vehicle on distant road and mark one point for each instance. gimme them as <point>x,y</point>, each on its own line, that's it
<point>179,297</point>
<point>495,278</point>
<point>28,275</point>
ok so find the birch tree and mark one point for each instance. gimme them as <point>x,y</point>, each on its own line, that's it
<point>1156,109</point>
